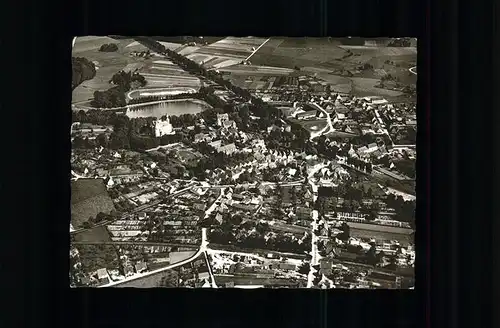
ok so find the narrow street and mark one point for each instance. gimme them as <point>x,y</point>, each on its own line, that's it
<point>315,257</point>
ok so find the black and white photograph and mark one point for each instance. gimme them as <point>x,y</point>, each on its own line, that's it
<point>243,162</point>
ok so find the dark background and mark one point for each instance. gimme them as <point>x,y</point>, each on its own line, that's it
<point>455,158</point>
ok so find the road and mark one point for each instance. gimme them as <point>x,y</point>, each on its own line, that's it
<point>248,58</point>
<point>315,257</point>
<point>202,249</point>
<point>328,119</point>
<point>413,70</point>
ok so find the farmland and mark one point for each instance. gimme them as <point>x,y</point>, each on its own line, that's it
<point>107,63</point>
<point>94,257</point>
<point>95,234</point>
<point>250,280</point>
<point>88,198</point>
<point>341,65</point>
<point>363,230</point>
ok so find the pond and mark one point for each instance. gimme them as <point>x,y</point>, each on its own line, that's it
<point>173,108</point>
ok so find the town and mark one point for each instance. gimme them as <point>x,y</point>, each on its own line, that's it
<point>243,163</point>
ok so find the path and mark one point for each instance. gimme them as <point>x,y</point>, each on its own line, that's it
<point>413,70</point>
<point>328,119</point>
<point>248,58</point>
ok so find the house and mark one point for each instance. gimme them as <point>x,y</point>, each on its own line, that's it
<point>200,137</point>
<point>287,266</point>
<point>340,116</point>
<point>306,115</point>
<point>230,124</point>
<point>362,150</point>
<point>142,215</point>
<point>218,218</point>
<point>102,276</point>
<point>128,270</point>
<point>200,206</point>
<point>216,144</point>
<point>303,212</point>
<point>372,147</point>
<point>288,128</point>
<point>221,118</point>
<point>227,149</point>
<point>238,196</point>
<point>140,267</point>
<point>85,280</point>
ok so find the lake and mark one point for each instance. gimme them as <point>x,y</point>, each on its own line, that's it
<point>173,107</point>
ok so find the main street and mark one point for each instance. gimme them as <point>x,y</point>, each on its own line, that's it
<point>329,127</point>
<point>315,257</point>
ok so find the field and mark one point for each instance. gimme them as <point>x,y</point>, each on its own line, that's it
<point>176,257</point>
<point>254,281</point>
<point>289,228</point>
<point>363,230</point>
<point>88,198</point>
<point>405,240</point>
<point>222,53</point>
<point>151,281</point>
<point>94,257</point>
<point>95,234</point>
<point>107,63</point>
<point>327,59</point>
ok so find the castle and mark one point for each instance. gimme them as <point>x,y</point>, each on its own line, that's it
<point>163,127</point>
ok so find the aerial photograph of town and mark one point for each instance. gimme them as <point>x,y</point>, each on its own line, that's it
<point>243,162</point>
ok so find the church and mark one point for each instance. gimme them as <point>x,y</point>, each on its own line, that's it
<point>163,127</point>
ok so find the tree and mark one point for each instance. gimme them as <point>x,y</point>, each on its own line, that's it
<point>101,217</point>
<point>102,140</point>
<point>109,47</point>
<point>346,232</point>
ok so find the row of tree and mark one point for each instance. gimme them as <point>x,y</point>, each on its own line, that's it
<point>82,70</point>
<point>115,96</point>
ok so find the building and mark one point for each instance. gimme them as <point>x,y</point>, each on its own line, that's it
<point>385,280</point>
<point>221,118</point>
<point>200,206</point>
<point>200,137</point>
<point>216,144</point>
<point>163,127</point>
<point>128,270</point>
<point>287,266</point>
<point>340,116</point>
<point>140,267</point>
<point>102,276</point>
<point>229,124</point>
<point>306,115</point>
<point>227,149</point>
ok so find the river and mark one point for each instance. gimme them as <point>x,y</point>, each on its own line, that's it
<point>172,107</point>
